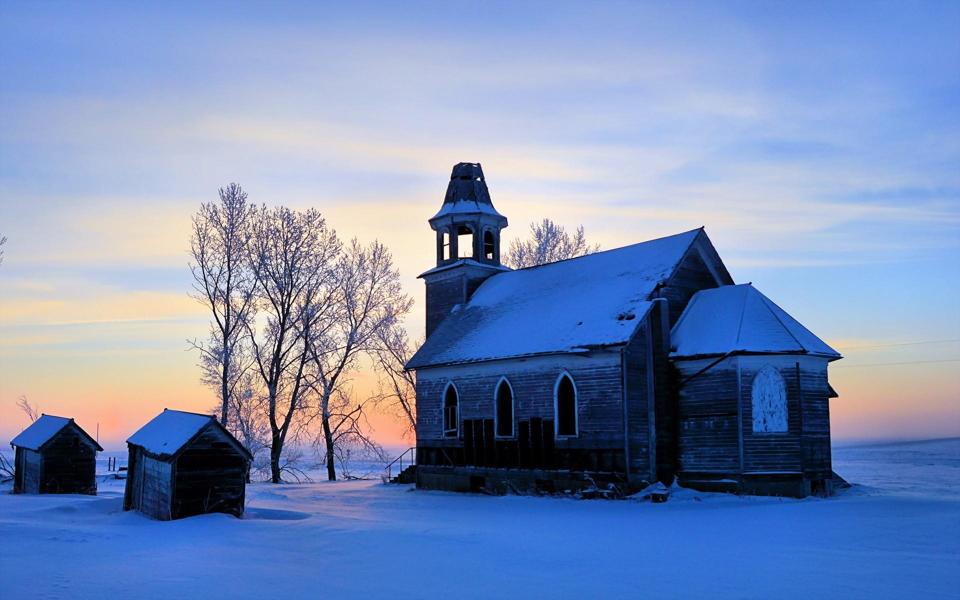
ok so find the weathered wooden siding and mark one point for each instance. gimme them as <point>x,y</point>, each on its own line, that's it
<point>794,462</point>
<point>817,460</point>
<point>707,412</point>
<point>665,394</point>
<point>209,476</point>
<point>597,379</point>
<point>638,409</point>
<point>769,453</point>
<point>32,471</point>
<point>18,471</point>
<point>441,297</point>
<point>446,289</point>
<point>690,277</point>
<point>155,488</point>
<point>69,464</point>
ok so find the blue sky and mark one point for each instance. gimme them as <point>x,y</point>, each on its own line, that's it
<point>819,143</point>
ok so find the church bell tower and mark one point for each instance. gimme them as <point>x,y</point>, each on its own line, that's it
<point>468,243</point>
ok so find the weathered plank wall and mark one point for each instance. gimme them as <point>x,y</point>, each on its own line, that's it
<point>155,488</point>
<point>134,483</point>
<point>710,433</point>
<point>597,379</point>
<point>441,296</point>
<point>771,452</point>
<point>707,412</point>
<point>638,409</point>
<point>446,289</point>
<point>209,476</point>
<point>814,387</point>
<point>664,393</point>
<point>18,471</point>
<point>690,277</point>
<point>29,470</point>
<point>69,464</point>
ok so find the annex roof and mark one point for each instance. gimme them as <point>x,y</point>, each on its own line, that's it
<point>167,433</point>
<point>568,306</point>
<point>45,429</point>
<point>739,319</point>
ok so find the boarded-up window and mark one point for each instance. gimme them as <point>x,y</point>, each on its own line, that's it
<point>451,403</point>
<point>566,406</point>
<point>769,401</point>
<point>504,407</point>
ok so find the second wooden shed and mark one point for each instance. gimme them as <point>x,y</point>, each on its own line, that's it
<point>55,456</point>
<point>183,464</point>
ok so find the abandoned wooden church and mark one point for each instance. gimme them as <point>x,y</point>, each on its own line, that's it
<point>54,455</point>
<point>183,464</point>
<point>628,366</point>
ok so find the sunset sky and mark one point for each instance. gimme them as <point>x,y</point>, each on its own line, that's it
<point>819,145</point>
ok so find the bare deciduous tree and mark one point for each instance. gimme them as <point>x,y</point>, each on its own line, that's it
<point>3,241</point>
<point>368,299</point>
<point>398,386</point>
<point>548,243</point>
<point>224,283</point>
<point>32,411</point>
<point>293,254</point>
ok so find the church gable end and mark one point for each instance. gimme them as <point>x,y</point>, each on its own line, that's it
<point>701,268</point>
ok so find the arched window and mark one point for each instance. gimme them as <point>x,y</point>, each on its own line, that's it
<point>565,405</point>
<point>464,242</point>
<point>451,409</point>
<point>488,245</point>
<point>446,245</point>
<point>503,399</point>
<point>769,401</point>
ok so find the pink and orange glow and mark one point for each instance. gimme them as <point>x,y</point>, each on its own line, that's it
<point>841,201</point>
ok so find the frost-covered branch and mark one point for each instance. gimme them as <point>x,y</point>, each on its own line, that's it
<point>548,243</point>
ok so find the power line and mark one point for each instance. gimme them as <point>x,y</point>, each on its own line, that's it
<point>900,344</point>
<point>909,362</point>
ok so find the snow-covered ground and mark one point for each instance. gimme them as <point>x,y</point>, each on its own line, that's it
<point>896,534</point>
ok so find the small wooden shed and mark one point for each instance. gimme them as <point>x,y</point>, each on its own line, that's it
<point>54,455</point>
<point>753,409</point>
<point>182,464</point>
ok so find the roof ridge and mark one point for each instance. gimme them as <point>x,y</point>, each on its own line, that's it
<point>766,303</point>
<point>565,260</point>
<point>743,312</point>
<point>186,412</point>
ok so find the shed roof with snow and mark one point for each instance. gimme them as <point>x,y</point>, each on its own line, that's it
<point>172,430</point>
<point>739,319</point>
<point>573,305</point>
<point>44,429</point>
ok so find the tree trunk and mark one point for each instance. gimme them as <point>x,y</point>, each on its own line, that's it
<point>224,393</point>
<point>328,439</point>
<point>275,448</point>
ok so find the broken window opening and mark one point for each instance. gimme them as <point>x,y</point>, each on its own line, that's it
<point>488,245</point>
<point>504,409</point>
<point>451,403</point>
<point>446,245</point>
<point>566,407</point>
<point>465,242</point>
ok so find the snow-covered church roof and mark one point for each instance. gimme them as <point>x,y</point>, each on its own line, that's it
<point>45,429</point>
<point>171,430</point>
<point>739,319</point>
<point>568,306</point>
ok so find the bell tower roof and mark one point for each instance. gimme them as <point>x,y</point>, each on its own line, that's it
<point>467,195</point>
